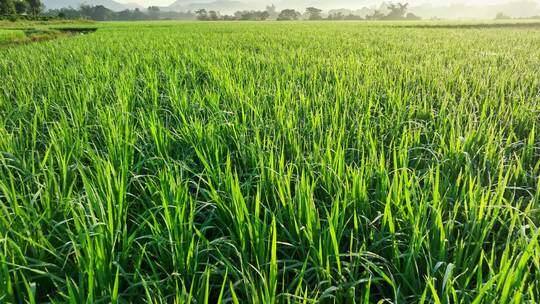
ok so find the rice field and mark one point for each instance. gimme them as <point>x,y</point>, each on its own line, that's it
<point>268,162</point>
<point>8,36</point>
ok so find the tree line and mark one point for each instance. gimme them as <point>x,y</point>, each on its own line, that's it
<point>397,11</point>
<point>35,8</point>
<point>19,8</point>
<point>101,13</point>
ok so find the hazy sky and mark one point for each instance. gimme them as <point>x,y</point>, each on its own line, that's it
<point>337,3</point>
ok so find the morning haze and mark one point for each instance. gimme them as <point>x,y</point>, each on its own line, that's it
<point>470,9</point>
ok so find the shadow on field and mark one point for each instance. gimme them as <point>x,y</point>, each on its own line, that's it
<point>76,30</point>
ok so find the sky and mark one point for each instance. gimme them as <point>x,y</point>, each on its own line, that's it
<point>351,3</point>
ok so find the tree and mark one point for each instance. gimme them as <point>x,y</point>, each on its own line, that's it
<point>101,13</point>
<point>411,16</point>
<point>241,15</point>
<point>251,15</point>
<point>377,15</point>
<point>289,14</point>
<point>336,16</point>
<point>153,12</point>
<point>397,11</point>
<point>201,14</point>
<point>67,13</point>
<point>21,7</point>
<point>138,14</point>
<point>264,15</point>
<point>271,10</point>
<point>353,17</point>
<point>502,16</point>
<point>213,15</point>
<point>314,13</point>
<point>7,7</point>
<point>98,12</point>
<point>124,15</point>
<point>36,7</point>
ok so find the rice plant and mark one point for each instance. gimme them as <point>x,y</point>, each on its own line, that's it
<point>271,163</point>
<point>8,36</point>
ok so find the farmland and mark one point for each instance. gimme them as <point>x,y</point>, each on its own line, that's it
<point>10,35</point>
<point>271,162</point>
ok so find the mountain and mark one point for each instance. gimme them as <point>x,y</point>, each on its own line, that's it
<point>110,4</point>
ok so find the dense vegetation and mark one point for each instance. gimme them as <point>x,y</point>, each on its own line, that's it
<point>102,13</point>
<point>397,11</point>
<point>10,35</point>
<point>271,163</point>
<point>17,8</point>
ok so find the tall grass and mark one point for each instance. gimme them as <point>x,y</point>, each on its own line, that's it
<point>271,163</point>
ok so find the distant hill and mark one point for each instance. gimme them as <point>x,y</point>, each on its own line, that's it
<point>110,4</point>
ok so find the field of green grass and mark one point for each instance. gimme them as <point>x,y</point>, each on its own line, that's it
<point>10,36</point>
<point>269,162</point>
